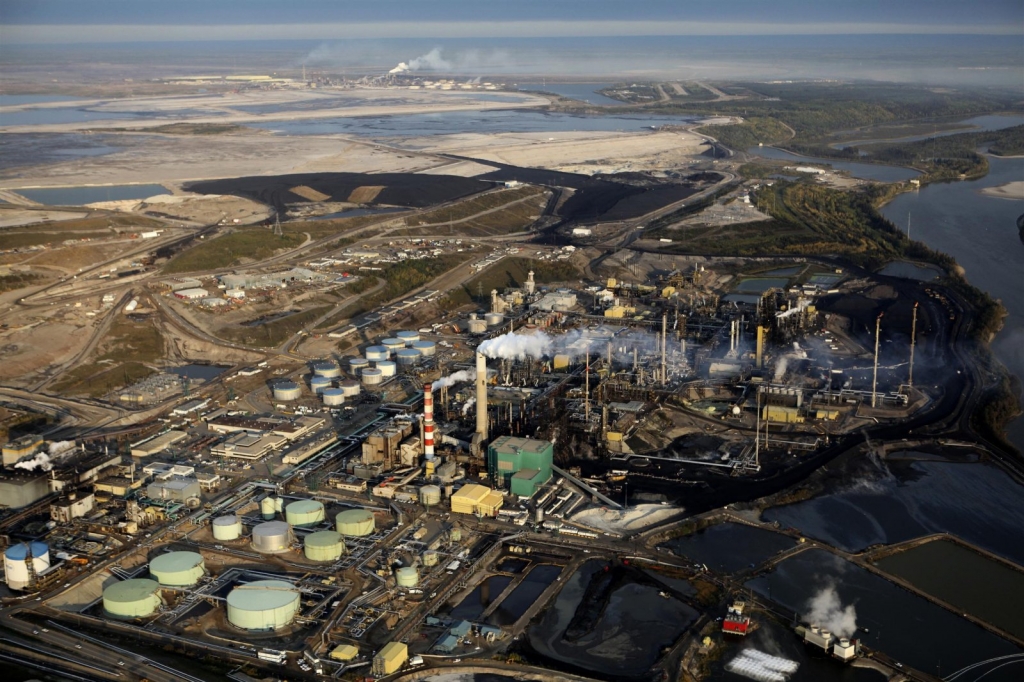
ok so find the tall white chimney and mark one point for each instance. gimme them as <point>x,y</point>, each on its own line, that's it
<point>481,396</point>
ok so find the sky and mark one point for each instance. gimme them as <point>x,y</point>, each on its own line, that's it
<point>104,21</point>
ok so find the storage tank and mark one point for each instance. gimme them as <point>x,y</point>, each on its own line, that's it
<point>430,558</point>
<point>387,368</point>
<point>304,513</point>
<point>372,377</point>
<point>350,388</point>
<point>430,495</point>
<point>376,353</point>
<point>357,365</point>
<point>333,397</point>
<point>16,566</point>
<point>286,390</point>
<point>272,537</point>
<point>408,337</point>
<point>494,319</point>
<point>393,344</point>
<point>326,368</point>
<point>263,605</point>
<point>227,528</point>
<point>177,569</point>
<point>319,384</point>
<point>356,523</point>
<point>268,508</point>
<point>407,576</point>
<point>135,598</point>
<point>426,348</point>
<point>324,545</point>
<point>476,325</point>
<point>408,357</point>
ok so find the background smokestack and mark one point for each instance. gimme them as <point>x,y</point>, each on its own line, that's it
<point>481,396</point>
<point>428,422</point>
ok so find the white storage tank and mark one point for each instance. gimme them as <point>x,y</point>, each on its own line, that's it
<point>350,388</point>
<point>16,566</point>
<point>227,528</point>
<point>178,569</point>
<point>407,576</point>
<point>304,513</point>
<point>408,337</point>
<point>430,557</point>
<point>287,390</point>
<point>377,353</point>
<point>357,365</point>
<point>426,348</point>
<point>137,598</point>
<point>494,319</point>
<point>387,368</point>
<point>430,495</point>
<point>333,397</point>
<point>355,523</point>
<point>326,368</point>
<point>324,545</point>
<point>272,537</point>
<point>372,377</point>
<point>408,357</point>
<point>319,384</point>
<point>393,344</point>
<point>263,605</point>
<point>476,325</point>
<point>268,508</point>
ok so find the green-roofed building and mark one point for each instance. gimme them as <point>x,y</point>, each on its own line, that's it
<point>520,464</point>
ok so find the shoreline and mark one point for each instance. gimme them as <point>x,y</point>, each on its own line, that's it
<point>1011,190</point>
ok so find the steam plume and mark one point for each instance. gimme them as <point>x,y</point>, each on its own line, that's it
<point>826,609</point>
<point>469,404</point>
<point>512,346</point>
<point>452,379</point>
<point>41,460</point>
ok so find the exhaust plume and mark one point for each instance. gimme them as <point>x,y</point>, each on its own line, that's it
<point>469,404</point>
<point>41,460</point>
<point>452,379</point>
<point>826,609</point>
<point>512,346</point>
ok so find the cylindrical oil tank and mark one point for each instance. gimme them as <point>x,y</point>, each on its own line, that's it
<point>387,368</point>
<point>430,495</point>
<point>263,605</point>
<point>408,356</point>
<point>426,348</point>
<point>372,377</point>
<point>286,390</point>
<point>355,523</point>
<point>135,598</point>
<point>272,537</point>
<point>326,368</point>
<point>177,569</point>
<point>393,344</point>
<point>538,515</point>
<point>456,535</point>
<point>476,326</point>
<point>430,557</point>
<point>494,319</point>
<point>357,365</point>
<point>324,545</point>
<point>267,508</point>
<point>408,337</point>
<point>16,566</point>
<point>304,513</point>
<point>333,397</point>
<point>407,576</point>
<point>227,528</point>
<point>350,388</point>
<point>376,353</point>
<point>319,384</point>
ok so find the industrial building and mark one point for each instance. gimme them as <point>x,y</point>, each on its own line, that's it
<point>248,445</point>
<point>25,446</point>
<point>521,464</point>
<point>175,489</point>
<point>390,658</point>
<point>155,446</point>
<point>263,605</point>
<point>72,507</point>
<point>476,499</point>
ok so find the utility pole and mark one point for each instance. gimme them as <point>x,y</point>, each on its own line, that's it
<point>913,339</point>
<point>874,379</point>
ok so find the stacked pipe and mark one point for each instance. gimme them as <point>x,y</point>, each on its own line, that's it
<point>481,396</point>
<point>428,422</point>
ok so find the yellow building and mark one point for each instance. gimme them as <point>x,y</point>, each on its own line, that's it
<point>785,415</point>
<point>22,447</point>
<point>344,652</point>
<point>390,659</point>
<point>476,499</point>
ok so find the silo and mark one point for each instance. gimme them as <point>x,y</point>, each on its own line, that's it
<point>135,598</point>
<point>407,576</point>
<point>286,390</point>
<point>408,337</point>
<point>272,537</point>
<point>455,534</point>
<point>393,344</point>
<point>408,357</point>
<point>538,515</point>
<point>350,388</point>
<point>177,569</point>
<point>476,325</point>
<point>319,384</point>
<point>304,513</point>
<point>430,557</point>
<point>494,319</point>
<point>356,523</point>
<point>387,368</point>
<point>430,495</point>
<point>333,397</point>
<point>357,365</point>
<point>16,566</point>
<point>324,545</point>
<point>326,368</point>
<point>372,377</point>
<point>426,348</point>
<point>376,353</point>
<point>227,528</point>
<point>263,605</point>
<point>268,508</point>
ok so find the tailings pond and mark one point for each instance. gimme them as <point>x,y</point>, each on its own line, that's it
<point>730,547</point>
<point>907,627</point>
<point>908,499</point>
<point>79,196</point>
<point>481,597</point>
<point>524,595</point>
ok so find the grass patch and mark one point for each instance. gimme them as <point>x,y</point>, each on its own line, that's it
<point>20,240</point>
<point>232,249</point>
<point>274,333</point>
<point>318,229</point>
<point>18,280</point>
<point>473,206</point>
<point>126,349</point>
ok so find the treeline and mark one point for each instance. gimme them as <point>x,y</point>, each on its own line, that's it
<point>752,131</point>
<point>401,278</point>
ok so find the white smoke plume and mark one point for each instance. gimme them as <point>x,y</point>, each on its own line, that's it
<point>61,446</point>
<point>459,62</point>
<point>826,609</point>
<point>512,346</point>
<point>41,460</point>
<point>452,379</point>
<point>469,404</point>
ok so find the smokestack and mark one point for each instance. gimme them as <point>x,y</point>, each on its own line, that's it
<point>874,377</point>
<point>664,345</point>
<point>481,396</point>
<point>913,335</point>
<point>428,422</point>
<point>759,360</point>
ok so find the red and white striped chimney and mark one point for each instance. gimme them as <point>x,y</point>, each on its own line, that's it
<point>428,422</point>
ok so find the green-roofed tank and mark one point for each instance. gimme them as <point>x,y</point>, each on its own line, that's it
<point>304,513</point>
<point>325,545</point>
<point>178,569</point>
<point>137,598</point>
<point>263,605</point>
